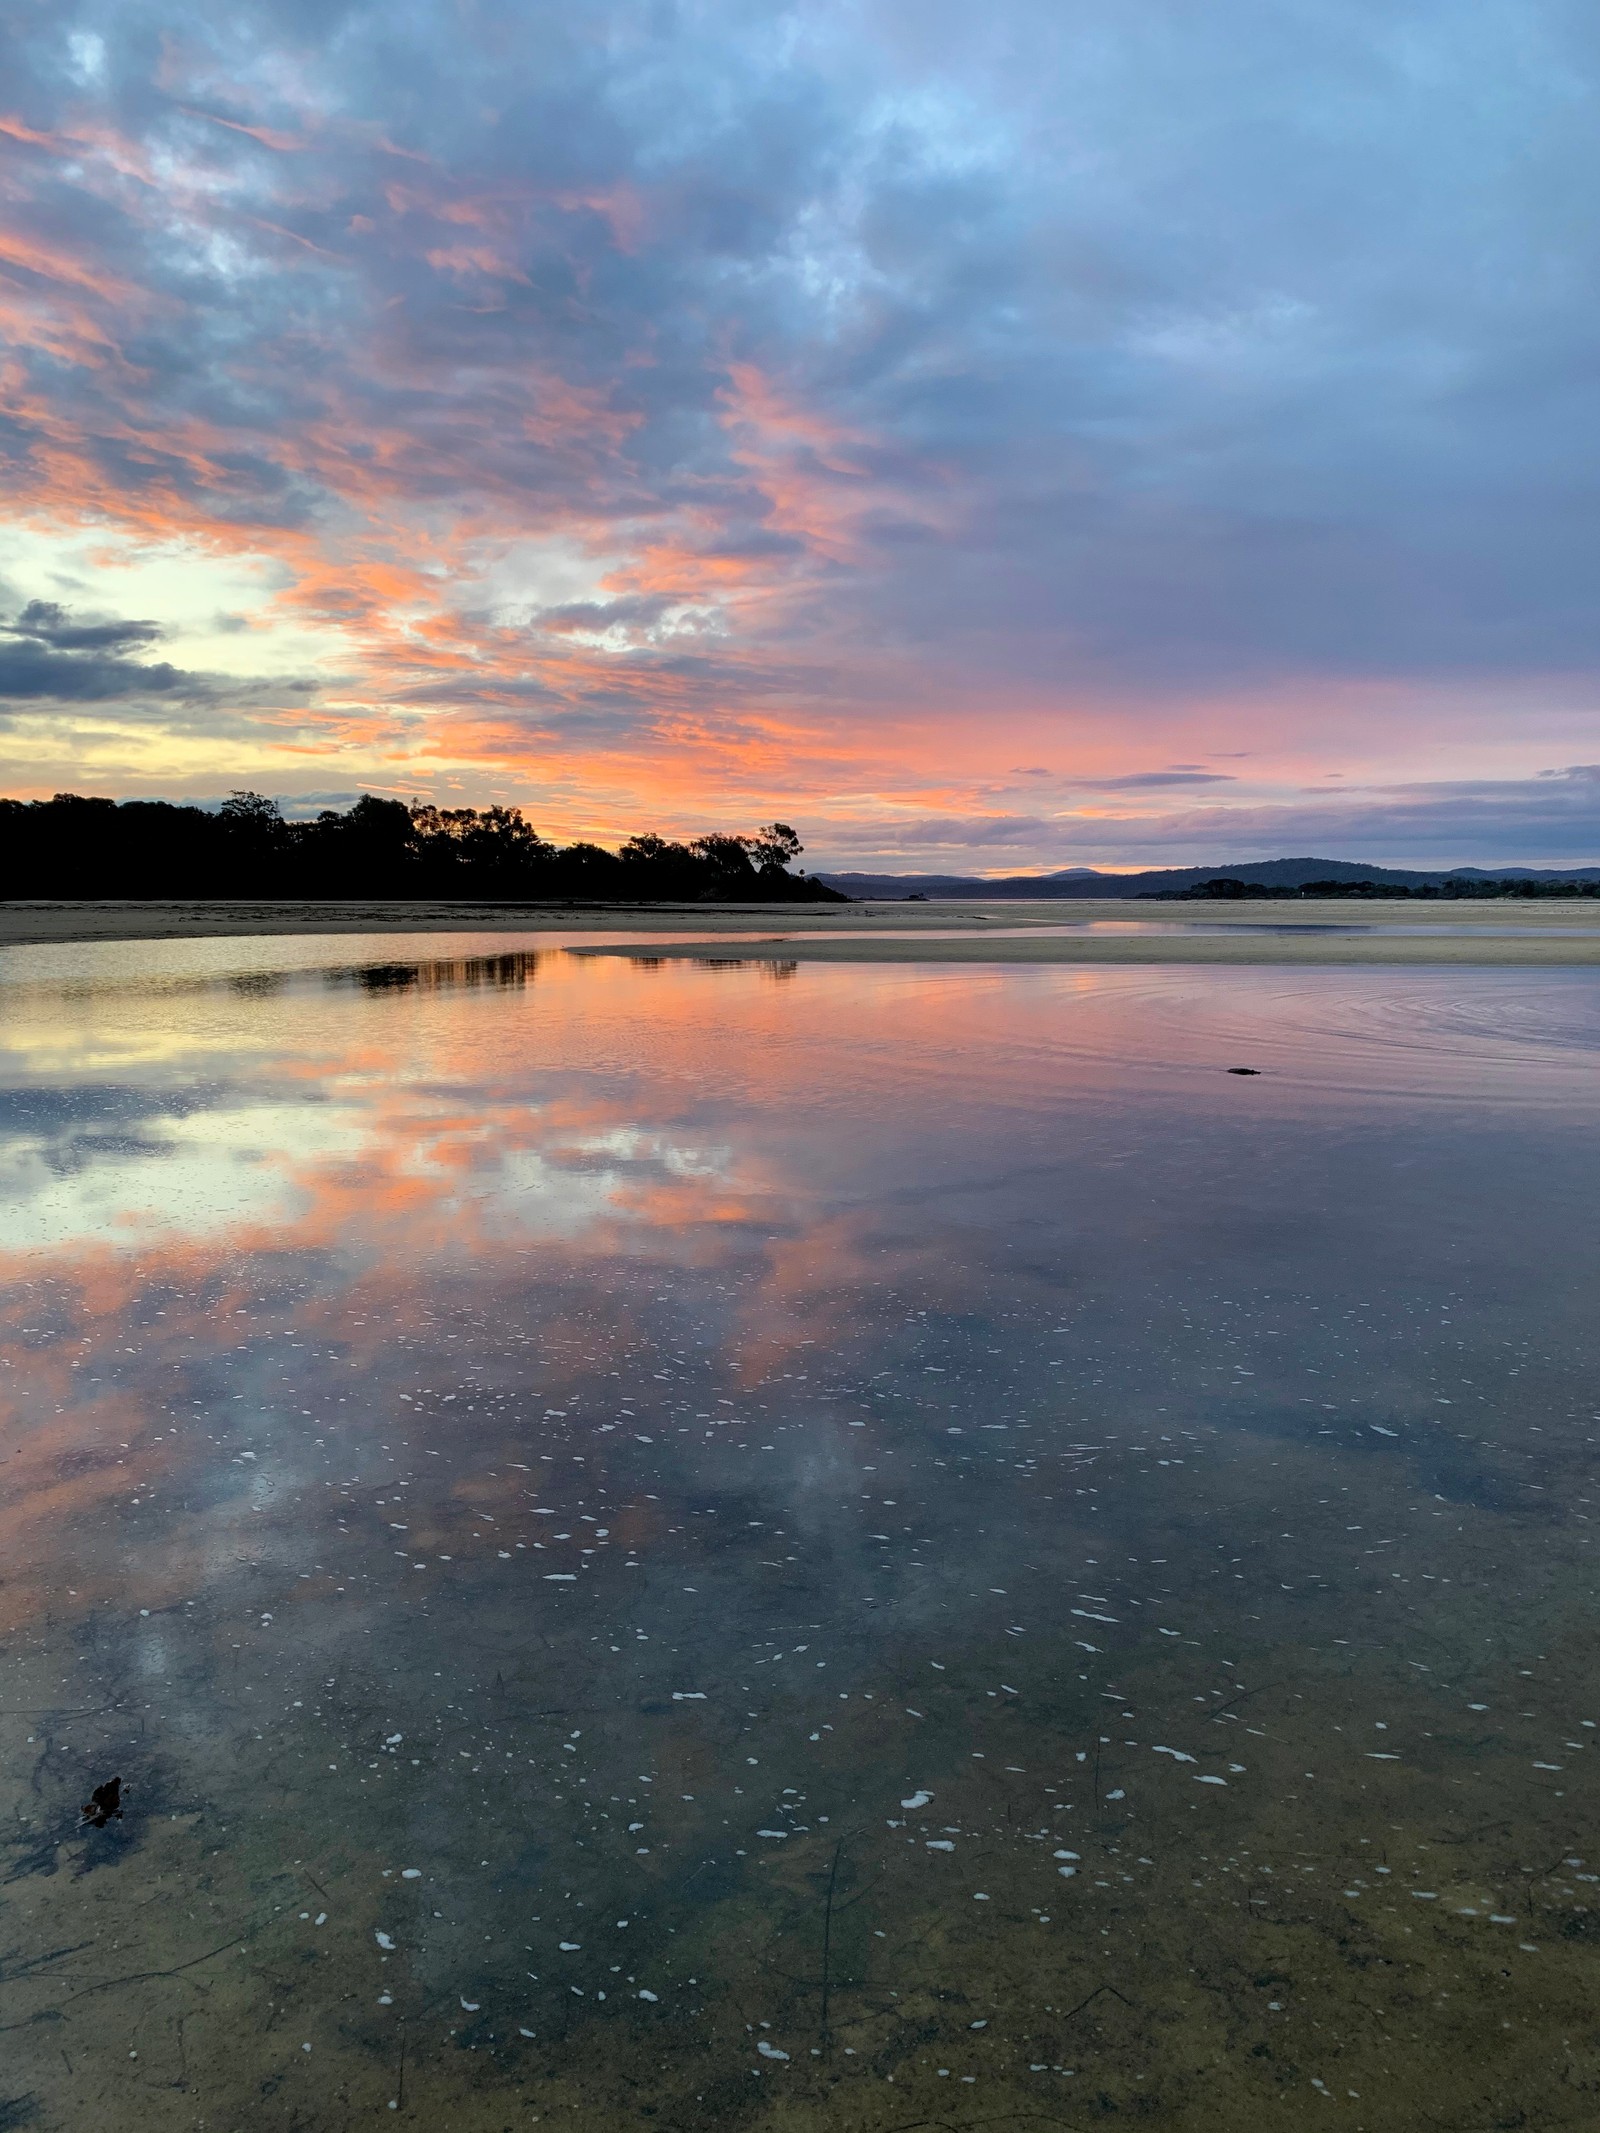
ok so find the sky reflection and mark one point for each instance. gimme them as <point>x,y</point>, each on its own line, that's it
<point>607,1440</point>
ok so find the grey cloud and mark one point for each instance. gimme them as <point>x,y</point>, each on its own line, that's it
<point>956,832</point>
<point>302,806</point>
<point>31,672</point>
<point>1209,325</point>
<point>295,806</point>
<point>639,612</point>
<point>1135,352</point>
<point>1552,819</point>
<point>52,624</point>
<point>47,657</point>
<point>1135,780</point>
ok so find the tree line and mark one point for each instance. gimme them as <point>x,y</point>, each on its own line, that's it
<point>77,847</point>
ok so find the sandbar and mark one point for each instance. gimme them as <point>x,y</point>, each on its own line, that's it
<point>1532,934</point>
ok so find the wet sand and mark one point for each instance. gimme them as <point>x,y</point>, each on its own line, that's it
<point>1529,935</point>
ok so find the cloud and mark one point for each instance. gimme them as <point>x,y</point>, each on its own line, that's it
<point>296,807</point>
<point>633,387</point>
<point>1139,780</point>
<point>1550,819</point>
<point>955,833</point>
<point>57,667</point>
<point>47,657</point>
<point>51,624</point>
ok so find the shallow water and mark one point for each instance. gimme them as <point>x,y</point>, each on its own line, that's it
<point>795,1546</point>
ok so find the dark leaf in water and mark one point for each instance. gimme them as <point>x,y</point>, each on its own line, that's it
<point>104,1804</point>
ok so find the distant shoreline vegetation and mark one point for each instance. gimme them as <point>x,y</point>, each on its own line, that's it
<point>1230,880</point>
<point>80,848</point>
<point>1227,888</point>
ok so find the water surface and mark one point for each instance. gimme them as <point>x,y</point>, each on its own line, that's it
<point>795,1546</point>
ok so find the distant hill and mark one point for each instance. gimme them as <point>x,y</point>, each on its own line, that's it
<point>1261,873</point>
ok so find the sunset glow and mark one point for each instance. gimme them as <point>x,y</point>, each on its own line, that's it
<point>993,439</point>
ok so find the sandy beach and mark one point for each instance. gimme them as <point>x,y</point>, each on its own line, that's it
<point>1108,931</point>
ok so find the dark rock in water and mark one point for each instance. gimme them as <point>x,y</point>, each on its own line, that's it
<point>104,1804</point>
<point>1244,1070</point>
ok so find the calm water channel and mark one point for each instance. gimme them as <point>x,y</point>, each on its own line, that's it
<point>866,1547</point>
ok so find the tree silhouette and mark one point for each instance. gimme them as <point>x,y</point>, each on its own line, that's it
<point>72,846</point>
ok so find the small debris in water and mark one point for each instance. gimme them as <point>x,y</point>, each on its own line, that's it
<point>104,1804</point>
<point>1244,1070</point>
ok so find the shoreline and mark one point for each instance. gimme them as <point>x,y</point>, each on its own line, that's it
<point>1507,933</point>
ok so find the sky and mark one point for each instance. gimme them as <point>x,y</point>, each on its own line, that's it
<point>1048,433</point>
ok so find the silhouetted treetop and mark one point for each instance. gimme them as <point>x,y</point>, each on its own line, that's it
<point>77,847</point>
